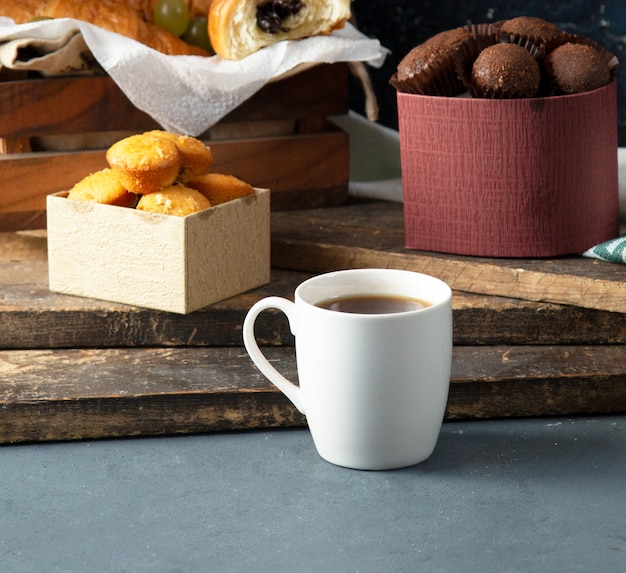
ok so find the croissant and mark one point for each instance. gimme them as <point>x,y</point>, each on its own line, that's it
<point>238,28</point>
<point>20,11</point>
<point>126,17</point>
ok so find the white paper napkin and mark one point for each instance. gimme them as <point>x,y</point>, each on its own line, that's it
<point>189,94</point>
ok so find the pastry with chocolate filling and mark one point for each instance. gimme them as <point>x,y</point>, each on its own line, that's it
<point>238,28</point>
<point>505,71</point>
<point>576,68</point>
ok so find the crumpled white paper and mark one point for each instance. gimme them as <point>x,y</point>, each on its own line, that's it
<point>189,94</point>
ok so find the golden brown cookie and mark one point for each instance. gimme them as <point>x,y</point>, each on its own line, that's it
<point>144,163</point>
<point>175,200</point>
<point>102,187</point>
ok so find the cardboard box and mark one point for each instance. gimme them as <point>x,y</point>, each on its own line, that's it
<point>163,262</point>
<point>533,177</point>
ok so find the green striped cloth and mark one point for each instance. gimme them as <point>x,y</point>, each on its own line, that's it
<point>613,251</point>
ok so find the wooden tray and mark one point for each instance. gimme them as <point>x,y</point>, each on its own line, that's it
<point>371,233</point>
<point>279,139</point>
<point>63,394</point>
<point>74,368</point>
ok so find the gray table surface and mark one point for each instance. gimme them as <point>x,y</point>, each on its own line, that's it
<point>509,495</point>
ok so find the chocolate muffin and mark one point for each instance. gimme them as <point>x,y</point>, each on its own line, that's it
<point>429,68</point>
<point>576,68</point>
<point>505,71</point>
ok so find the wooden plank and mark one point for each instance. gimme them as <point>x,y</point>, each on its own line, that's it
<point>33,317</point>
<point>49,106</point>
<point>517,381</point>
<point>293,96</point>
<point>307,171</point>
<point>17,248</point>
<point>371,234</point>
<point>492,320</point>
<point>26,179</point>
<point>88,104</point>
<point>303,171</point>
<point>14,145</point>
<point>22,220</point>
<point>87,394</point>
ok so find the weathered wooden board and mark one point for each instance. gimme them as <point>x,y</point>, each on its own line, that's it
<point>76,368</point>
<point>33,317</point>
<point>92,104</point>
<point>317,173</point>
<point>279,139</point>
<point>87,394</point>
<point>371,234</point>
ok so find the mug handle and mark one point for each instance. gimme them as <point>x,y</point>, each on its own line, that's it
<point>287,387</point>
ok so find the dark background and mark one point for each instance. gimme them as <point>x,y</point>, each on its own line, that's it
<point>402,24</point>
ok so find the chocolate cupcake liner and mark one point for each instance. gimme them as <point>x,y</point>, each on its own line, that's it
<point>539,44</point>
<point>468,53</point>
<point>440,80</point>
<point>540,40</point>
<point>484,30</point>
<point>529,45</point>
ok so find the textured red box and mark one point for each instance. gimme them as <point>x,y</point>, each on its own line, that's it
<point>509,178</point>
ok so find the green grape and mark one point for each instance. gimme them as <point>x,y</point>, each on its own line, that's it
<point>173,15</point>
<point>197,33</point>
<point>40,18</point>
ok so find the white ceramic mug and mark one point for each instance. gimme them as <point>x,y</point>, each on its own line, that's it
<point>373,387</point>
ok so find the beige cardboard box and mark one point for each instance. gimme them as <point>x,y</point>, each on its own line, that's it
<point>163,262</point>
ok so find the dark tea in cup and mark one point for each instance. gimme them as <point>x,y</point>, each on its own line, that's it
<point>373,304</point>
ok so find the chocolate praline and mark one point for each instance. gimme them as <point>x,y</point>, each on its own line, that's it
<point>505,71</point>
<point>576,68</point>
<point>531,28</point>
<point>429,67</point>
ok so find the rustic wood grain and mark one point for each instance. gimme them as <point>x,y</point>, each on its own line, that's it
<point>319,91</point>
<point>74,368</point>
<point>307,171</point>
<point>316,174</point>
<point>86,394</point>
<point>80,104</point>
<point>305,167</point>
<point>371,234</point>
<point>33,317</point>
<point>88,104</point>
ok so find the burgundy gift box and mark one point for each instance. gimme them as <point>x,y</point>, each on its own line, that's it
<point>509,178</point>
